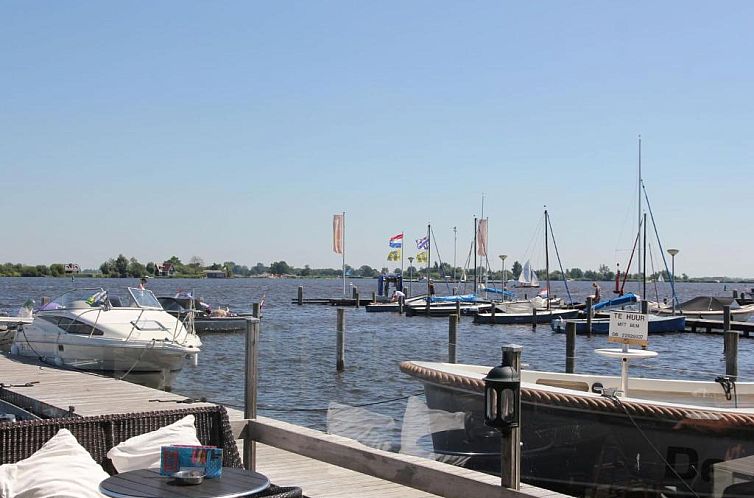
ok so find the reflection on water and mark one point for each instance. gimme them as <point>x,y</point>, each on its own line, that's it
<point>297,376</point>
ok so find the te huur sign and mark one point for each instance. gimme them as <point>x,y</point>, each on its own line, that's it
<point>629,328</point>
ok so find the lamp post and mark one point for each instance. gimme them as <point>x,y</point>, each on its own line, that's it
<point>502,410</point>
<point>502,279</point>
<point>455,234</point>
<point>410,268</point>
<point>672,253</point>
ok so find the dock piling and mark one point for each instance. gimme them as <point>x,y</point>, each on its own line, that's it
<point>534,318</point>
<point>374,297</point>
<point>356,296</point>
<point>341,340</point>
<point>730,346</point>
<point>589,303</point>
<point>726,327</point>
<point>458,311</point>
<point>250,390</point>
<point>401,302</point>
<point>570,347</point>
<point>256,310</point>
<point>354,292</point>
<point>452,337</point>
<point>300,295</point>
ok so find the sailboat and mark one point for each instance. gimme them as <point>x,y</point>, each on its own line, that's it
<point>528,277</point>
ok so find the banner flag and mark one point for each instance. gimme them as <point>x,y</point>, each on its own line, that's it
<point>337,233</point>
<point>481,238</point>
<point>422,243</point>
<point>421,257</point>
<point>394,255</point>
<point>396,240</point>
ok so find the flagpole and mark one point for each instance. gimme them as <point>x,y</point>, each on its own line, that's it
<point>402,239</point>
<point>343,242</point>
<point>429,255</point>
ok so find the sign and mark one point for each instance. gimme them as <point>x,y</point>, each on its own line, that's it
<point>629,328</point>
<point>72,268</point>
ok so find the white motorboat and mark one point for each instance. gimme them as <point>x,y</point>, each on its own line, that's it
<point>128,336</point>
<point>582,436</point>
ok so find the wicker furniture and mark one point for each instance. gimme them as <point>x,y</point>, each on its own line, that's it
<point>19,440</point>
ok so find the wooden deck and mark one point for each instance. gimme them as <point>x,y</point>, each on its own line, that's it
<point>53,391</point>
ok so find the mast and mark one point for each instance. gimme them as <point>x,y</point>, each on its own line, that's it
<point>475,248</point>
<point>638,261</point>
<point>429,255</point>
<point>644,271</point>
<point>344,253</point>
<point>547,262</point>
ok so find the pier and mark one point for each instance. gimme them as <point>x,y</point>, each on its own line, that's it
<point>323,465</point>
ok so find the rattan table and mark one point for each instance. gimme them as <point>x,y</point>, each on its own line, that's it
<point>148,483</point>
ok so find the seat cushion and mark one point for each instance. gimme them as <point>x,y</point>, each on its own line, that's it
<point>143,451</point>
<point>60,468</point>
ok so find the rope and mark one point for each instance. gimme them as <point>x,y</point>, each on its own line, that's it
<point>560,263</point>
<point>659,243</point>
<point>533,395</point>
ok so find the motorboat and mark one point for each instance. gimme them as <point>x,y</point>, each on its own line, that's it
<point>128,336</point>
<point>520,315</point>
<point>8,327</point>
<point>439,306</point>
<point>706,308</point>
<point>587,435</point>
<point>201,317</point>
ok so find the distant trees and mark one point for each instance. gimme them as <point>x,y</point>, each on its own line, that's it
<point>516,270</point>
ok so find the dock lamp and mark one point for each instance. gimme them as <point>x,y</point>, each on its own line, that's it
<point>502,410</point>
<point>672,253</point>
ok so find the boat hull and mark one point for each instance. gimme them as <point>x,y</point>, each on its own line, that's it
<point>543,316</point>
<point>656,325</point>
<point>590,444</point>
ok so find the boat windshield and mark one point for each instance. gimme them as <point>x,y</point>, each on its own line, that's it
<point>144,298</point>
<point>78,298</point>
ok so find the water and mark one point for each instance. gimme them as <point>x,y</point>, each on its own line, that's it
<point>297,377</point>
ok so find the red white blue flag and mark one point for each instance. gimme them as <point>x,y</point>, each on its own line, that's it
<point>396,240</point>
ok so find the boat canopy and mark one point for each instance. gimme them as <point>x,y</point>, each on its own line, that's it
<point>463,298</point>
<point>504,292</point>
<point>629,297</point>
<point>709,303</point>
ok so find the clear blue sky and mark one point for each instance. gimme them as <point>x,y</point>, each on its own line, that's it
<point>235,130</point>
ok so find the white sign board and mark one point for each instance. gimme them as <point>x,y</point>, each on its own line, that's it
<point>72,268</point>
<point>629,328</point>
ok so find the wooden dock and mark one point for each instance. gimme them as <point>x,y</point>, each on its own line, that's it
<point>284,451</point>
<point>716,326</point>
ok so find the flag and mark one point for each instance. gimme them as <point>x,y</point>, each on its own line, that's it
<point>394,255</point>
<point>396,240</point>
<point>421,257</point>
<point>543,293</point>
<point>481,238</point>
<point>337,233</point>
<point>422,243</point>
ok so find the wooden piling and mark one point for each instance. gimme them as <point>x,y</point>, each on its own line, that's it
<point>458,311</point>
<point>300,295</point>
<point>570,347</point>
<point>644,306</point>
<point>356,296</point>
<point>735,293</point>
<point>354,292</point>
<point>589,303</point>
<point>452,337</point>
<point>374,297</point>
<point>534,318</point>
<point>401,302</point>
<point>250,390</point>
<point>256,310</point>
<point>341,340</point>
<point>726,327</point>
<point>731,353</point>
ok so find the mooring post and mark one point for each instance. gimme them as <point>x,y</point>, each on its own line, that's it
<point>341,340</point>
<point>589,302</point>
<point>455,290</point>
<point>354,291</point>
<point>735,293</point>
<point>726,327</point>
<point>401,302</point>
<point>644,307</point>
<point>458,311</point>
<point>256,310</point>
<point>570,347</point>
<point>250,391</point>
<point>493,311</point>
<point>374,297</point>
<point>510,471</point>
<point>731,354</point>
<point>300,295</point>
<point>452,337</point>
<point>356,296</point>
<point>534,318</point>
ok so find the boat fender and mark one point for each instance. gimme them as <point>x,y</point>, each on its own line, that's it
<point>195,359</point>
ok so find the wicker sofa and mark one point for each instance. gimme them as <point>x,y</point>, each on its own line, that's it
<point>19,440</point>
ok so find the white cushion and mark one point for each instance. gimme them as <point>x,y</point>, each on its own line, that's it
<point>60,468</point>
<point>143,451</point>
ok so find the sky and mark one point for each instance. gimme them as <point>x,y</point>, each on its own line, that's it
<point>234,131</point>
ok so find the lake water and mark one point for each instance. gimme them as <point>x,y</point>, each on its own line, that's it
<point>298,379</point>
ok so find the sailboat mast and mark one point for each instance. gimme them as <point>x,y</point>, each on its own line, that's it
<point>475,236</point>
<point>547,262</point>
<point>344,253</point>
<point>429,255</point>
<point>638,229</point>
<point>644,271</point>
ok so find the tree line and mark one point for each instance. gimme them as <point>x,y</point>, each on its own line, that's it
<point>123,267</point>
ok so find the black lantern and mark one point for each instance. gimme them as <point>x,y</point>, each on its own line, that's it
<point>502,391</point>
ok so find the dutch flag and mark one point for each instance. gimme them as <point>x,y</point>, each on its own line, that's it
<point>396,240</point>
